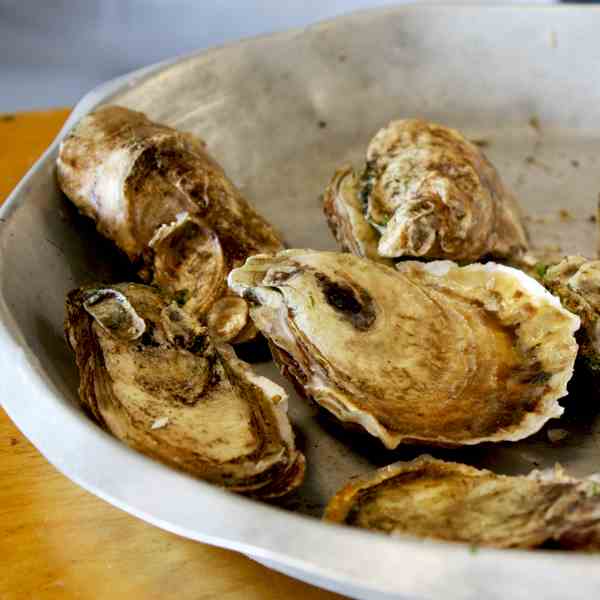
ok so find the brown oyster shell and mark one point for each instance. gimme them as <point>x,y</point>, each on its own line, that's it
<point>576,281</point>
<point>151,376</point>
<point>431,498</point>
<point>430,353</point>
<point>164,201</point>
<point>425,192</point>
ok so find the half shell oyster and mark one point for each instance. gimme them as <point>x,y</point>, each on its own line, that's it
<point>425,192</point>
<point>576,281</point>
<point>158,194</point>
<point>431,352</point>
<point>450,501</point>
<point>152,377</point>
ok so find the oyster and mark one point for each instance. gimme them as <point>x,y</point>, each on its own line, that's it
<point>425,192</point>
<point>450,501</point>
<point>151,375</point>
<point>576,281</point>
<point>431,352</point>
<point>164,201</point>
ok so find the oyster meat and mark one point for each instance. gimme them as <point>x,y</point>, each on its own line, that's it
<point>428,352</point>
<point>576,281</point>
<point>425,192</point>
<point>151,375</point>
<point>158,194</point>
<point>432,498</point>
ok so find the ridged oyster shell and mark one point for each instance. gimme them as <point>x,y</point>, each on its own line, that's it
<point>432,498</point>
<point>151,375</point>
<point>431,352</point>
<point>425,192</point>
<point>576,281</point>
<point>163,200</point>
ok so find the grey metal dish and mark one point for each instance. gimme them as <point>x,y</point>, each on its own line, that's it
<point>280,113</point>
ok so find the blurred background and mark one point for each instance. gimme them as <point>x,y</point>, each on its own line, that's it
<point>54,51</point>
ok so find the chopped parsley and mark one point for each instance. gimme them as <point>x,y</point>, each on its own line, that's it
<point>594,490</point>
<point>541,269</point>
<point>367,181</point>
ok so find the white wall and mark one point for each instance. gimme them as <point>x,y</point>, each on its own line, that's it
<point>53,51</point>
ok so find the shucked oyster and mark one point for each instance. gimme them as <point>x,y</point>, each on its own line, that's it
<point>450,501</point>
<point>164,201</point>
<point>432,352</point>
<point>576,281</point>
<point>425,192</point>
<point>152,377</point>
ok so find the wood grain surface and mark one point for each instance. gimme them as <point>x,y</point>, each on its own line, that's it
<point>58,541</point>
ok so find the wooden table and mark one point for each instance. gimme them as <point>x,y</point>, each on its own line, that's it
<point>58,541</point>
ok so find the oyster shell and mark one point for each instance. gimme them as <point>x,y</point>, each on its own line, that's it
<point>151,375</point>
<point>431,352</point>
<point>576,281</point>
<point>164,201</point>
<point>425,192</point>
<point>450,501</point>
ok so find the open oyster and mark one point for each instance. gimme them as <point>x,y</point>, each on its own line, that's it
<point>153,378</point>
<point>426,192</point>
<point>164,201</point>
<point>450,501</point>
<point>576,281</point>
<point>431,352</point>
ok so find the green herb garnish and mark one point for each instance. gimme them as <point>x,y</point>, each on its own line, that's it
<point>367,182</point>
<point>541,269</point>
<point>594,490</point>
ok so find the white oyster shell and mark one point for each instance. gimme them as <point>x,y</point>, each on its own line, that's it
<point>431,352</point>
<point>576,281</point>
<point>426,191</point>
<point>151,375</point>
<point>450,501</point>
<point>162,199</point>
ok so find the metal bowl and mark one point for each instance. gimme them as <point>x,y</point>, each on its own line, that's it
<point>280,113</point>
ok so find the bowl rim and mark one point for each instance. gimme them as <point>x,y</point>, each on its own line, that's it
<point>337,557</point>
